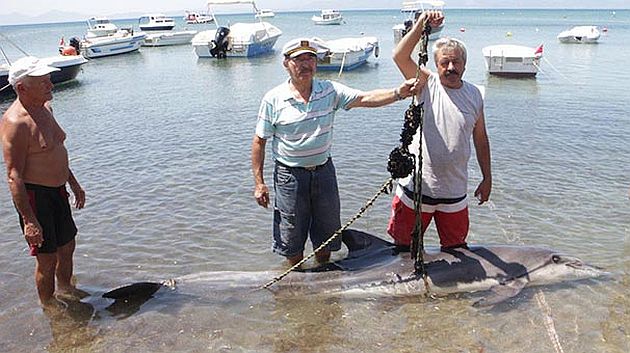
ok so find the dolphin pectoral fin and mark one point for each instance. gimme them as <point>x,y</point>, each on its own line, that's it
<point>136,290</point>
<point>502,292</point>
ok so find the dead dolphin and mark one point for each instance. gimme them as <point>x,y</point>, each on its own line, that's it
<point>374,267</point>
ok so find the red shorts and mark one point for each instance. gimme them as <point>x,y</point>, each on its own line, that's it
<point>451,227</point>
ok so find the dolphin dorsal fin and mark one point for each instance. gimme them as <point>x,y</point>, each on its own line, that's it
<point>358,241</point>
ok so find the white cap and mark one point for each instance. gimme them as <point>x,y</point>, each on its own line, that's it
<point>28,66</point>
<point>296,47</point>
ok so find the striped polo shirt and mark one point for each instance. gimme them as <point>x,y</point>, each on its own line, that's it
<point>302,132</point>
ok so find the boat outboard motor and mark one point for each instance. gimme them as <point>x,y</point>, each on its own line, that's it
<point>74,42</point>
<point>220,42</point>
<point>408,24</point>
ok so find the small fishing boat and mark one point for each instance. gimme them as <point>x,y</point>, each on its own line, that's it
<point>264,13</point>
<point>512,60</point>
<point>123,41</point>
<point>100,27</point>
<point>168,38</point>
<point>237,40</point>
<point>156,22</point>
<point>580,34</point>
<point>346,53</point>
<point>193,18</point>
<point>328,17</point>
<point>69,67</point>
<point>413,10</point>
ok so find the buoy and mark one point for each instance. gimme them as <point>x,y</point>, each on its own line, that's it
<point>462,29</point>
<point>508,34</point>
<point>605,29</point>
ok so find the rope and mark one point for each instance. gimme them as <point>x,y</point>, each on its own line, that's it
<point>343,62</point>
<point>4,55</point>
<point>15,45</point>
<point>548,321</point>
<point>386,185</point>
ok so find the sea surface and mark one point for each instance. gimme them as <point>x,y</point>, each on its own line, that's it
<point>160,140</point>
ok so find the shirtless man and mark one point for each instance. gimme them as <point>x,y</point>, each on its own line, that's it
<point>37,172</point>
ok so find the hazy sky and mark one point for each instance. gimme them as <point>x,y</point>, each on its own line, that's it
<point>39,7</point>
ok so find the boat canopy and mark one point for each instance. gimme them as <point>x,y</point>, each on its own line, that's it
<point>509,51</point>
<point>229,2</point>
<point>412,6</point>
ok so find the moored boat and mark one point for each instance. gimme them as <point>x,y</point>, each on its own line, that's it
<point>346,53</point>
<point>580,35</point>
<point>412,10</point>
<point>512,60</point>
<point>193,17</point>
<point>69,68</point>
<point>123,41</point>
<point>168,38</point>
<point>156,22</point>
<point>264,13</point>
<point>100,27</point>
<point>328,17</point>
<point>237,40</point>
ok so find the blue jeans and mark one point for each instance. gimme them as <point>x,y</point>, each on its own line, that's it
<point>306,202</point>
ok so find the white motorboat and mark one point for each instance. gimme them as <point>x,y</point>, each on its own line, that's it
<point>413,10</point>
<point>328,17</point>
<point>123,41</point>
<point>264,13</point>
<point>345,53</point>
<point>512,60</point>
<point>237,40</point>
<point>4,77</point>
<point>155,22</point>
<point>168,38</point>
<point>192,18</point>
<point>100,27</point>
<point>69,67</point>
<point>580,34</point>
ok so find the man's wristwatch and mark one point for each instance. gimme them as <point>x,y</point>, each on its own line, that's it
<point>397,94</point>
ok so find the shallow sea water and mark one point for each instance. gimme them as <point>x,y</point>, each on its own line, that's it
<point>161,140</point>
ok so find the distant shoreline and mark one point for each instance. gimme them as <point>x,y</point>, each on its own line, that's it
<point>5,20</point>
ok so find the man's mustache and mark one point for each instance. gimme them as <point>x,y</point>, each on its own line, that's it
<point>451,72</point>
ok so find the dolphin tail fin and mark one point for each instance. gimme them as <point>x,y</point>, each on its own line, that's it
<point>502,292</point>
<point>136,290</point>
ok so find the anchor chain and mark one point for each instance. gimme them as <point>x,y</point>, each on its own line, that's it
<point>402,162</point>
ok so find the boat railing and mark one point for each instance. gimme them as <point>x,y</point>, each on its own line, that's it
<point>212,3</point>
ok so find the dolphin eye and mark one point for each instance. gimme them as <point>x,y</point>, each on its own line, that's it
<point>556,259</point>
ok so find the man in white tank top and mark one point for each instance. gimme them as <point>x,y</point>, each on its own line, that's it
<point>453,113</point>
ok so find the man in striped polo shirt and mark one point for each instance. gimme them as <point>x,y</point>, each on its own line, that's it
<point>299,115</point>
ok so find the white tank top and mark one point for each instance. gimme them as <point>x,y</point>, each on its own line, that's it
<point>450,116</point>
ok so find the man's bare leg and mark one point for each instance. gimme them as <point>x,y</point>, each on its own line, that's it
<point>322,256</point>
<point>64,271</point>
<point>64,266</point>
<point>295,259</point>
<point>45,277</point>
